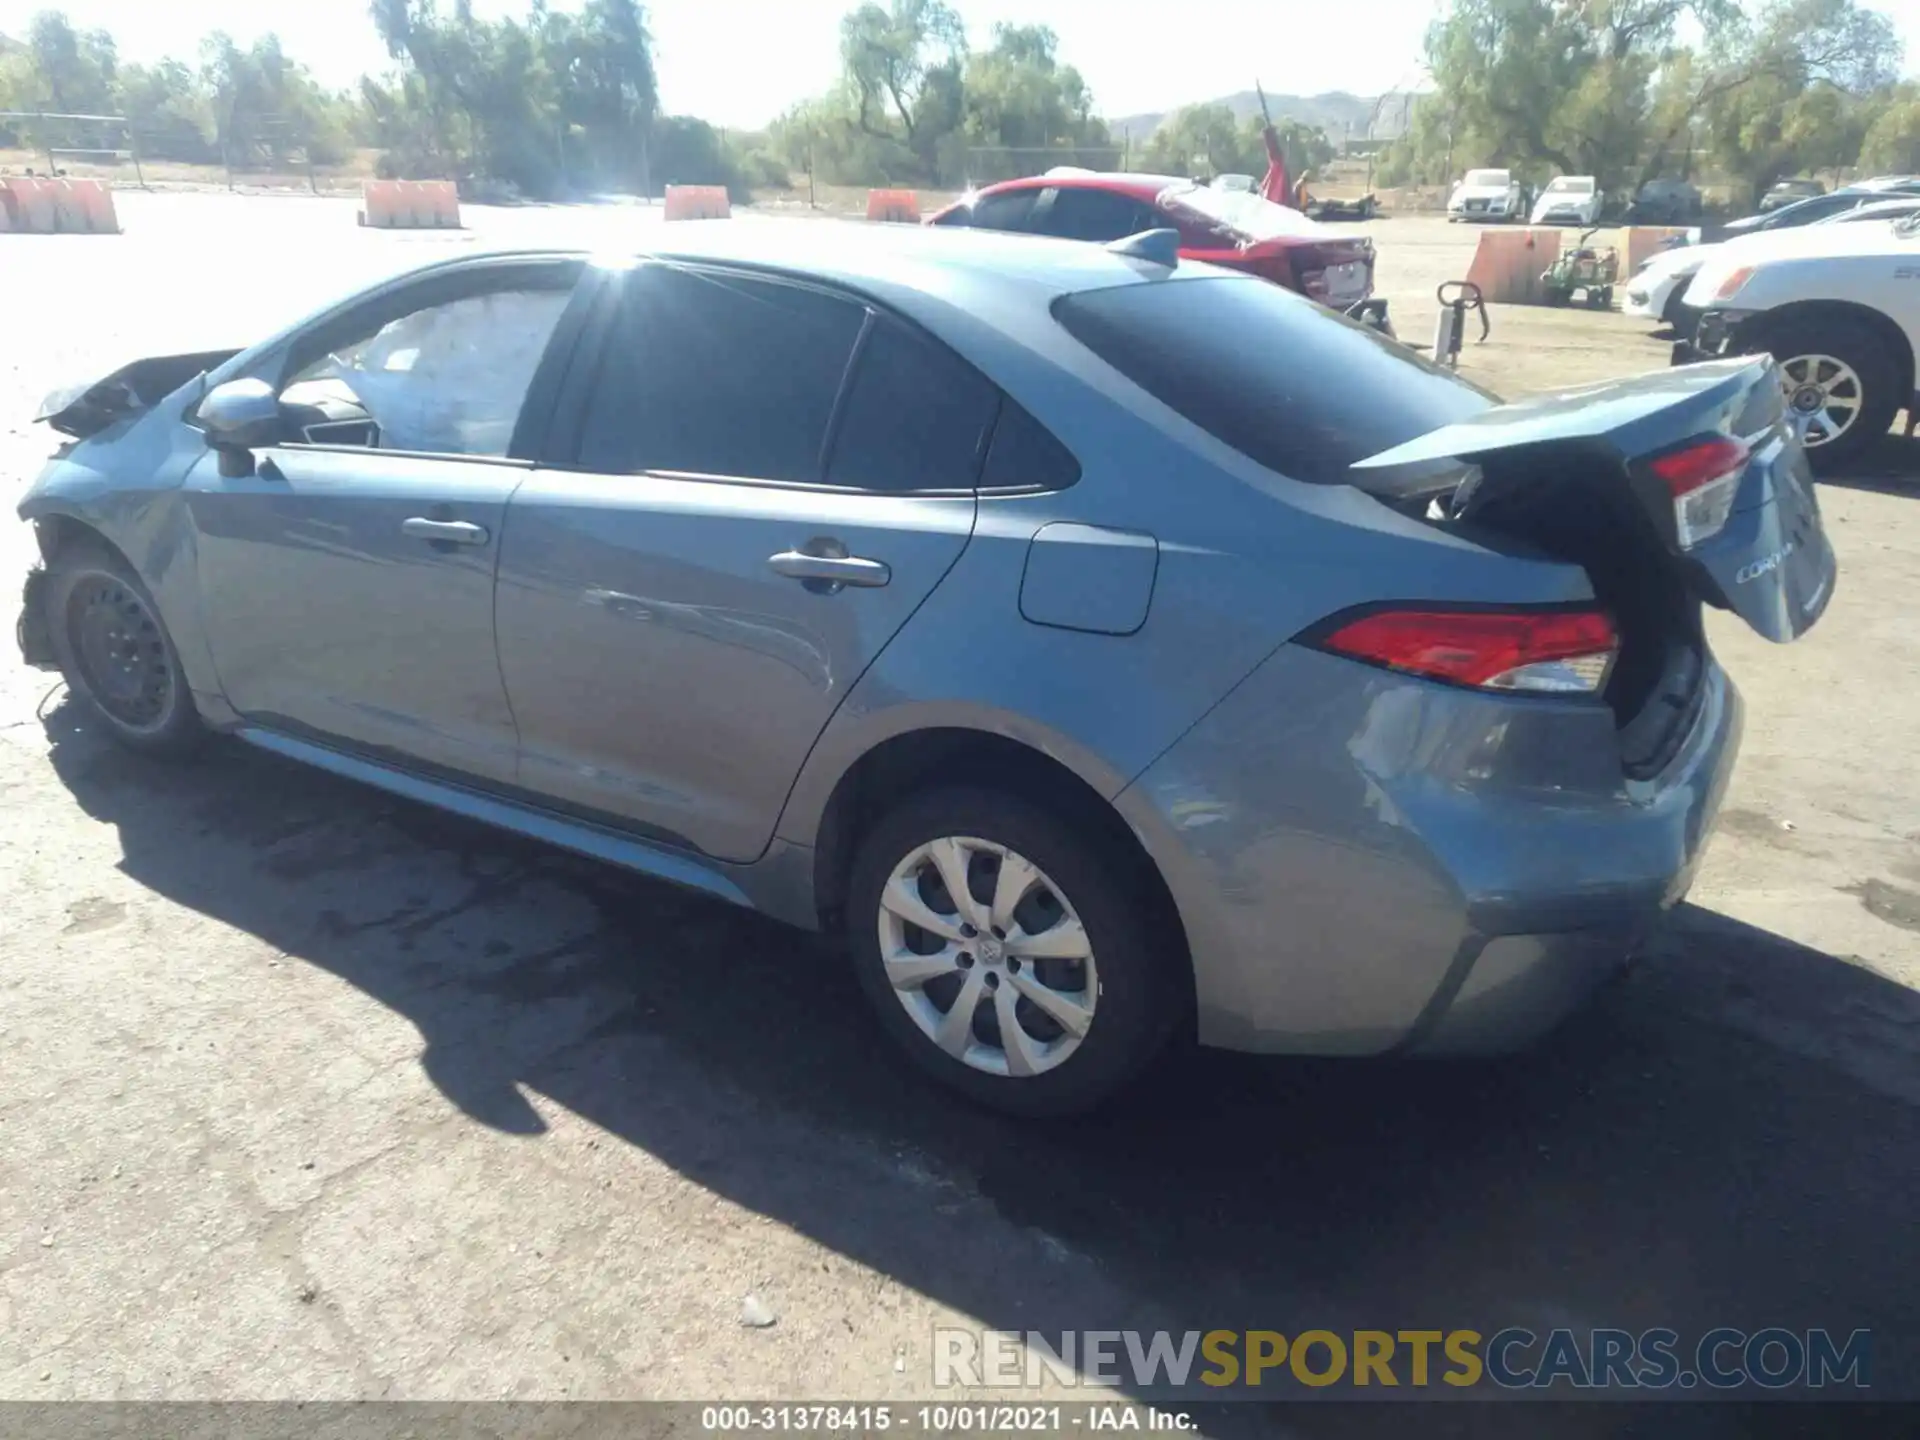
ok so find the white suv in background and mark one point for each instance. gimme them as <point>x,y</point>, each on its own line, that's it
<point>1569,200</point>
<point>1657,290</point>
<point>1487,195</point>
<point>1839,307</point>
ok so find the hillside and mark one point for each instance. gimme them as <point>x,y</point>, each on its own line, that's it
<point>1337,113</point>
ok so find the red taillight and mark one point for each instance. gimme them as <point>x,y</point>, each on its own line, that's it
<point>1703,479</point>
<point>1544,651</point>
<point>1687,470</point>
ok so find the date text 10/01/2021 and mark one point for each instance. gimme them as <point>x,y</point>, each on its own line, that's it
<point>942,1419</point>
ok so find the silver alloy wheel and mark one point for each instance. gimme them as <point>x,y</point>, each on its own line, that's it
<point>1824,395</point>
<point>987,956</point>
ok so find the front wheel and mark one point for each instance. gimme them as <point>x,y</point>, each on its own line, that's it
<point>1841,385</point>
<point>1010,956</point>
<point>115,651</point>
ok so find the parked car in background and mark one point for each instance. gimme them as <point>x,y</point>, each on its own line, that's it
<point>1657,290</point>
<point>1569,200</point>
<point>1819,207</point>
<point>1235,228</point>
<point>1109,650</point>
<point>1487,195</point>
<point>1838,306</point>
<point>1785,192</point>
<point>1665,202</point>
<point>1888,182</point>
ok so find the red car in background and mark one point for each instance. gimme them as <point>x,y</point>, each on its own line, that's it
<point>1235,228</point>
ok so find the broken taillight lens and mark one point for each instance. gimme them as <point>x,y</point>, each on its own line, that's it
<point>1552,652</point>
<point>1703,479</point>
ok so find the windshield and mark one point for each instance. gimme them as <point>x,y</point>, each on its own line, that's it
<point>1486,179</point>
<point>1250,216</point>
<point>1294,387</point>
<point>1571,185</point>
<point>1893,211</point>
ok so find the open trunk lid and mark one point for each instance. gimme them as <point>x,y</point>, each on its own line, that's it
<point>1712,471</point>
<point>88,408</point>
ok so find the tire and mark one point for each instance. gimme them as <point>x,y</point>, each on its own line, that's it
<point>95,604</point>
<point>1678,316</point>
<point>1132,975</point>
<point>1876,372</point>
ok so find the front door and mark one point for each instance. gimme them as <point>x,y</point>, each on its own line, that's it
<point>765,481</point>
<point>348,580</point>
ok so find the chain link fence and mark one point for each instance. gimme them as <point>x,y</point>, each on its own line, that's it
<point>274,154</point>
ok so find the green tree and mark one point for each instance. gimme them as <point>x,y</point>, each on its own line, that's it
<point>890,57</point>
<point>1892,144</point>
<point>169,111</point>
<point>1204,139</point>
<point>75,70</point>
<point>1806,79</point>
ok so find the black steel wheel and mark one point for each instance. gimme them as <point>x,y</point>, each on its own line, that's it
<point>115,651</point>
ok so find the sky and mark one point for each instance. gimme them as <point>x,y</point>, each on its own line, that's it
<point>739,63</point>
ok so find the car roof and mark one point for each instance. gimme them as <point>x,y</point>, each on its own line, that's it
<point>1139,186</point>
<point>930,258</point>
<point>1873,209</point>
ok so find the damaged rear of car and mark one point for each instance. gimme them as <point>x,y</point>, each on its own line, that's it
<point>1443,813</point>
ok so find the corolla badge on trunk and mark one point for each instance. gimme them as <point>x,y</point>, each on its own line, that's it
<point>1766,564</point>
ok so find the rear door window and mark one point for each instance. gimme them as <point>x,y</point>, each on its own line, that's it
<point>1086,214</point>
<point>1025,455</point>
<point>1005,210</point>
<point>916,416</point>
<point>1302,391</point>
<point>718,374</point>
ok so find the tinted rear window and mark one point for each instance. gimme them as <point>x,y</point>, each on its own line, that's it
<point>916,417</point>
<point>1026,456</point>
<point>1295,387</point>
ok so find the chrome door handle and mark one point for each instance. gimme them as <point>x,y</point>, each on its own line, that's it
<point>455,532</point>
<point>832,570</point>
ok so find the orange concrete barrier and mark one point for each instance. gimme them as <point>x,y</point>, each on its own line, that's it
<point>901,206</point>
<point>410,205</point>
<point>1645,241</point>
<point>1507,264</point>
<point>31,202</point>
<point>697,202</point>
<point>96,203</point>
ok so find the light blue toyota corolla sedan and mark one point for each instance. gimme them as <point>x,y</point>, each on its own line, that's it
<point>1110,646</point>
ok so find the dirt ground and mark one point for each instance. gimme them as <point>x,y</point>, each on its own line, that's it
<point>312,1093</point>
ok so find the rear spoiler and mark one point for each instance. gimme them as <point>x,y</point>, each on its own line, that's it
<point>1633,416</point>
<point>87,409</point>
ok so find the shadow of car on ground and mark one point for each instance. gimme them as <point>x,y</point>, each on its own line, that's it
<point>1650,1164</point>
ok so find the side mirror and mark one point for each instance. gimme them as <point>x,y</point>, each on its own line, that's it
<point>237,417</point>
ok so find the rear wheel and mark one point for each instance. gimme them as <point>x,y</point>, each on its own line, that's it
<point>1010,957</point>
<point>1841,384</point>
<point>115,652</point>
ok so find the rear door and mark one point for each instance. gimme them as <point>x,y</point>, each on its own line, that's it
<point>746,498</point>
<point>1705,449</point>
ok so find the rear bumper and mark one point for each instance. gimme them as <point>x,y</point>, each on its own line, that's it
<point>1715,334</point>
<point>1368,863</point>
